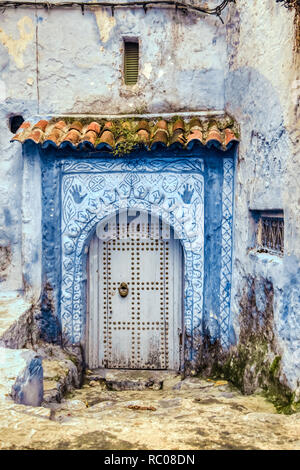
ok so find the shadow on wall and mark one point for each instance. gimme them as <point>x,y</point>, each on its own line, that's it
<point>255,104</point>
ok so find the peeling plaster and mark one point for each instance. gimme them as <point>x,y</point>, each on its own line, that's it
<point>16,47</point>
<point>105,24</point>
<point>147,70</point>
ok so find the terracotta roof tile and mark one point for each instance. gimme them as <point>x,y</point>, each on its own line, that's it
<point>73,136</point>
<point>25,125</point>
<point>105,135</point>
<point>36,135</point>
<point>143,125</point>
<point>230,137</point>
<point>61,125</point>
<point>178,138</point>
<point>214,134</point>
<point>144,136</point>
<point>179,124</point>
<point>42,124</point>
<point>94,126</point>
<point>76,125</point>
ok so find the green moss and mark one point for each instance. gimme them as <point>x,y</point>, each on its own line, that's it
<point>130,141</point>
<point>254,364</point>
<point>274,367</point>
<point>282,398</point>
<point>253,357</point>
<point>74,360</point>
<point>83,120</point>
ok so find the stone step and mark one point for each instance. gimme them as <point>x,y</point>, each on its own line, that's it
<point>121,379</point>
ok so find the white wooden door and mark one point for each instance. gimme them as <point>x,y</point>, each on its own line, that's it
<point>142,329</point>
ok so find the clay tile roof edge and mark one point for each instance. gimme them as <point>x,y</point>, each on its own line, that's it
<point>221,134</point>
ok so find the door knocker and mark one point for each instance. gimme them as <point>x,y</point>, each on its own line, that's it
<point>123,289</point>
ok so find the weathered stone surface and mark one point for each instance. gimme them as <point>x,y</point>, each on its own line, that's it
<point>21,376</point>
<point>59,378</point>
<point>28,388</point>
<point>12,307</point>
<point>63,370</point>
<point>24,332</point>
<point>169,403</point>
<point>192,383</point>
<point>21,370</point>
<point>193,419</point>
<point>133,379</point>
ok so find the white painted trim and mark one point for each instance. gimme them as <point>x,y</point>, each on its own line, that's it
<point>185,114</point>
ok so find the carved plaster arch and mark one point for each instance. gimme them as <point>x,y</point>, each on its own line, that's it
<point>90,196</point>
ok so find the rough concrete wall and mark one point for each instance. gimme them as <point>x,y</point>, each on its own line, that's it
<point>259,93</point>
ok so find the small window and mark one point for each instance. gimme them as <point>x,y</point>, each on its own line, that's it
<point>131,62</point>
<point>269,231</point>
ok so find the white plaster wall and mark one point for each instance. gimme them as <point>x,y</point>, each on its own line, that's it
<point>182,61</point>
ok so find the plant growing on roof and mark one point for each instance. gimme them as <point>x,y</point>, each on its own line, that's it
<point>126,138</point>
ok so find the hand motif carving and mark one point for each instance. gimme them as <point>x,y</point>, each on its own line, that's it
<point>76,190</point>
<point>187,194</point>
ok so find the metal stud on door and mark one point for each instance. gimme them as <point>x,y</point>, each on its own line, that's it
<point>138,318</point>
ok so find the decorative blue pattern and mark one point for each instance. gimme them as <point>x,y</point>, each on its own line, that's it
<point>171,189</point>
<point>176,189</point>
<point>226,261</point>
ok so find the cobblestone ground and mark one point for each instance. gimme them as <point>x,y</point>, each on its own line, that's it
<point>199,415</point>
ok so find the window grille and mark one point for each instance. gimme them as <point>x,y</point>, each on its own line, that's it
<point>131,62</point>
<point>270,232</point>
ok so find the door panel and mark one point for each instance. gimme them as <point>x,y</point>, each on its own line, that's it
<point>140,330</point>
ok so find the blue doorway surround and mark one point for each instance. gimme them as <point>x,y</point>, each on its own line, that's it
<point>194,186</point>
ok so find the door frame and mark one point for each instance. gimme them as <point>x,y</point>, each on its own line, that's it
<point>180,336</point>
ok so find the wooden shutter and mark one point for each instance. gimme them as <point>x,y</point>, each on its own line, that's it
<point>131,62</point>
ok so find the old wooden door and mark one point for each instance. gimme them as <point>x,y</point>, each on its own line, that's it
<point>134,301</point>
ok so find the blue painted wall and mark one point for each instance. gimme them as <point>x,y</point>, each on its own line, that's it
<point>51,169</point>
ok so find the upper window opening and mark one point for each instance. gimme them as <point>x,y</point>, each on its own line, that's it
<point>15,122</point>
<point>131,62</point>
<point>269,231</point>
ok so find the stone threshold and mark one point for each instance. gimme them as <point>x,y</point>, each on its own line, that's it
<point>129,379</point>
